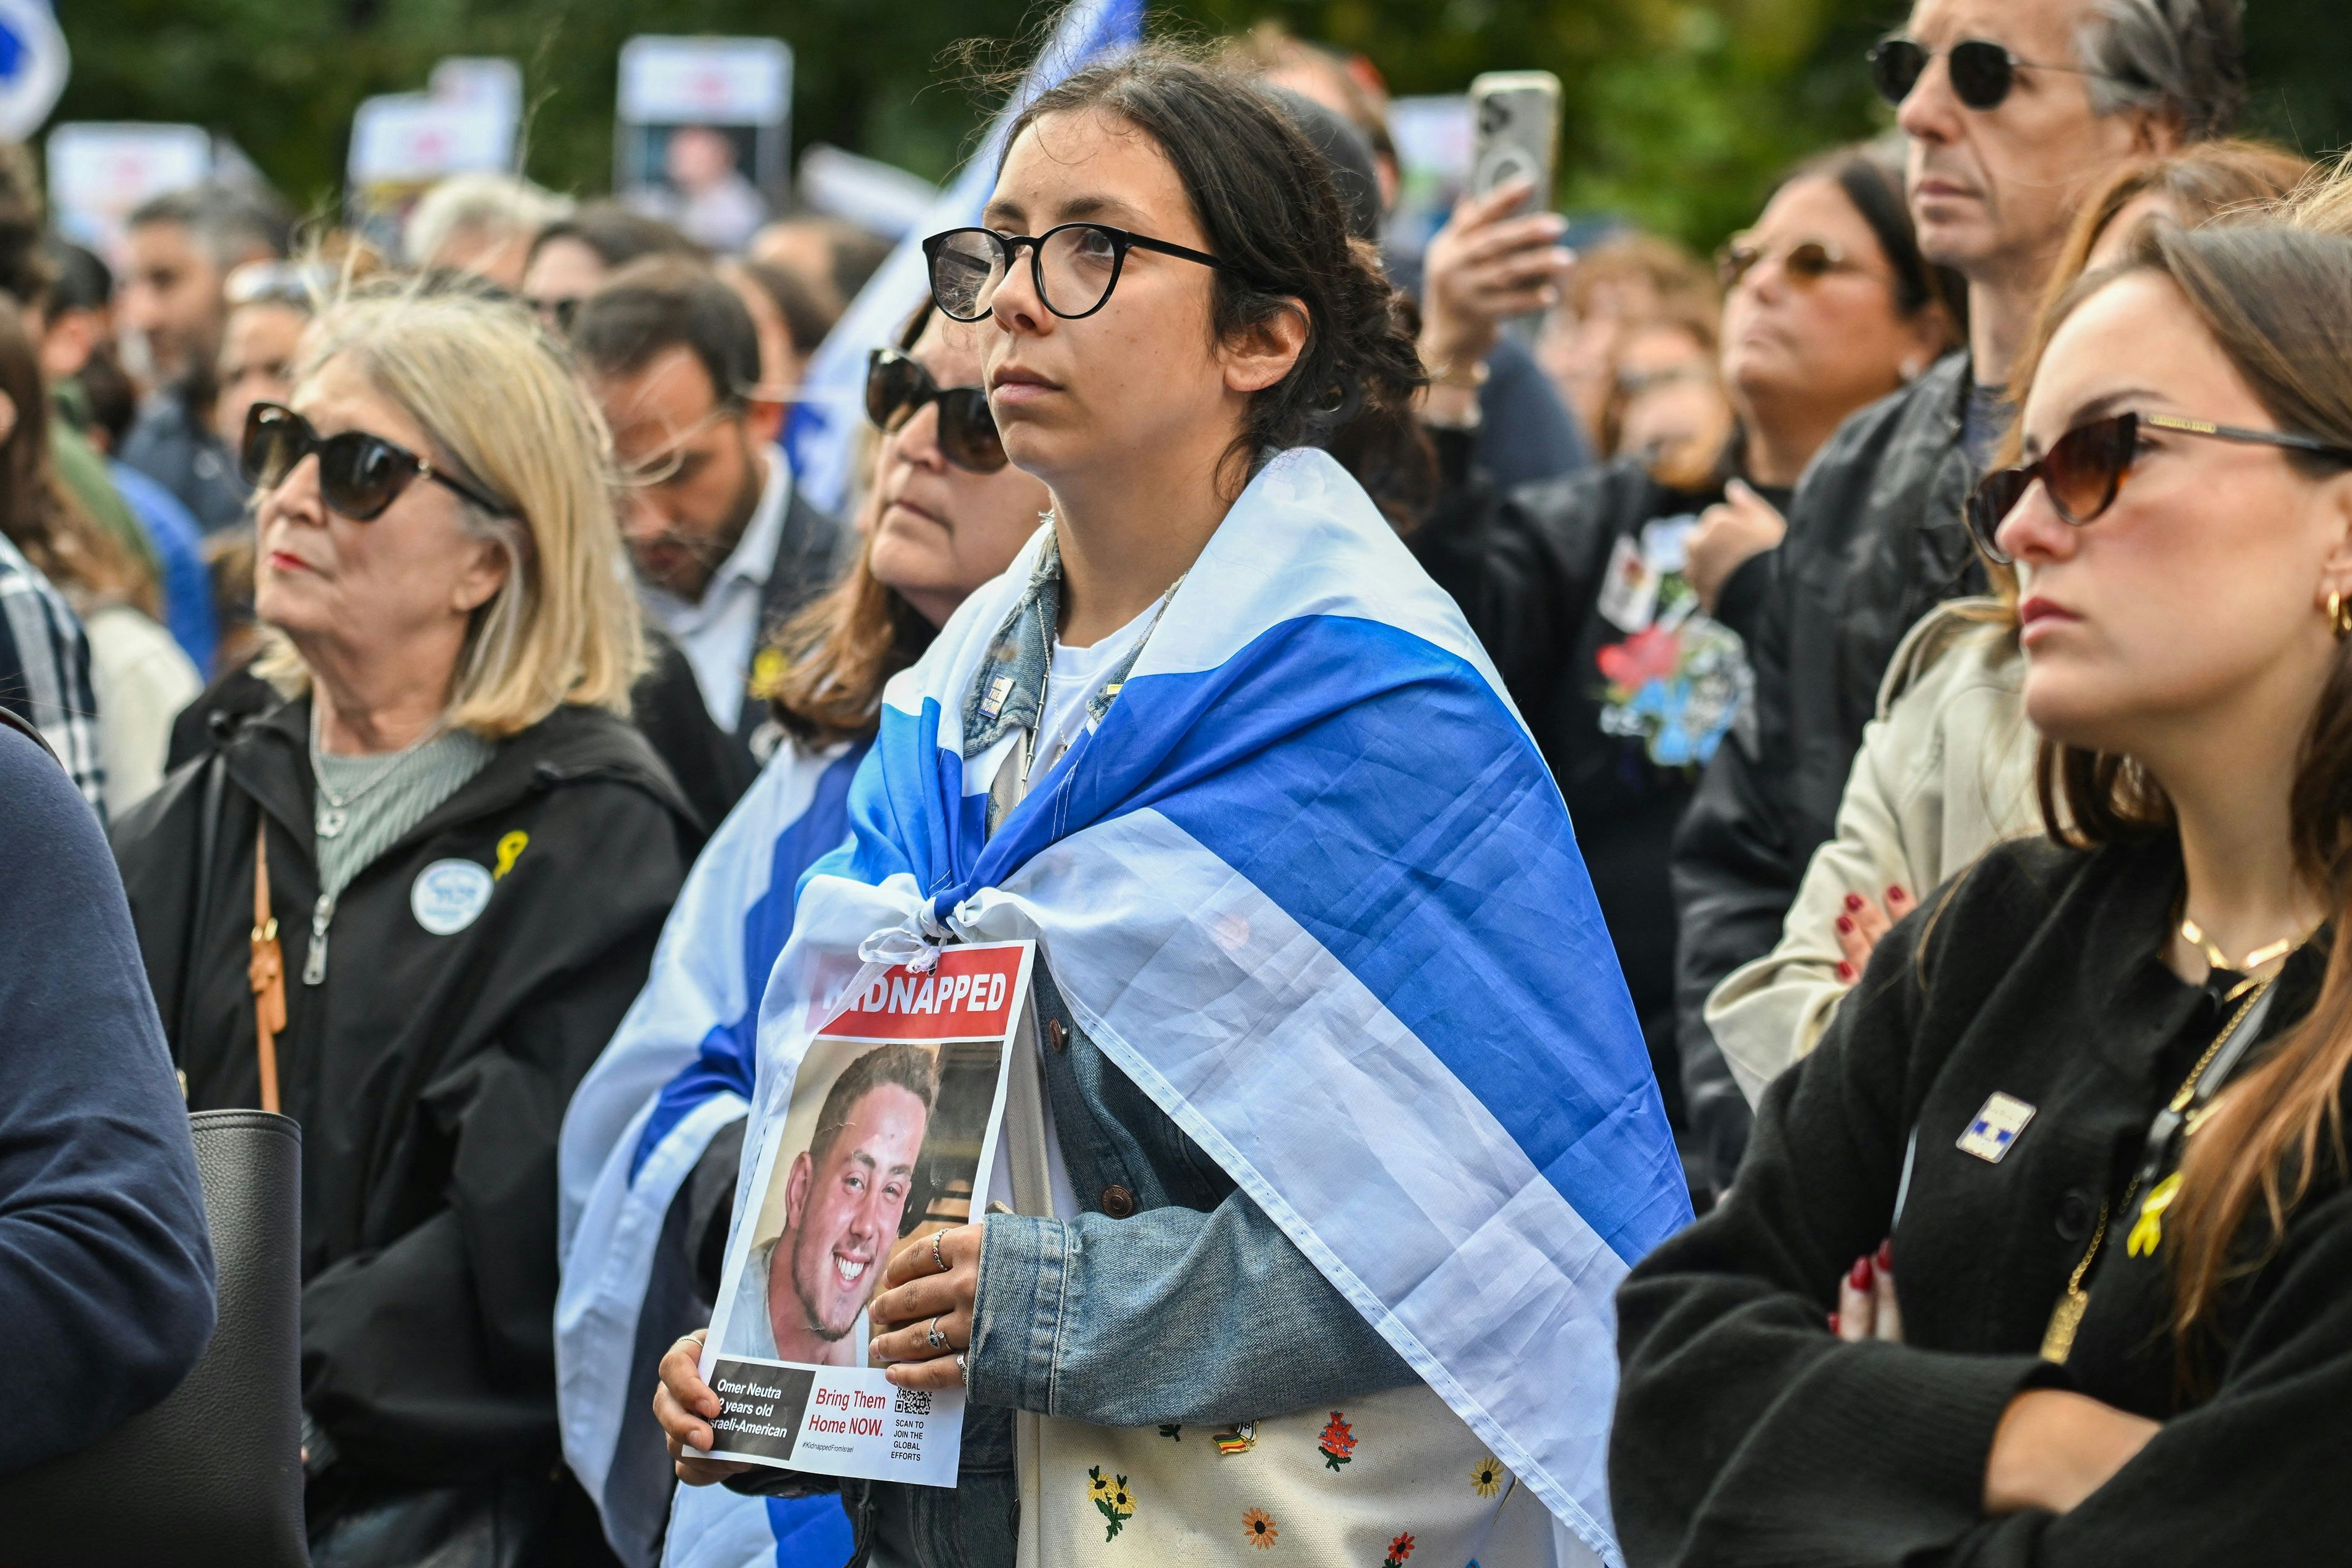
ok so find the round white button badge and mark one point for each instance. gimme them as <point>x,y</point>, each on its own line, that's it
<point>449,895</point>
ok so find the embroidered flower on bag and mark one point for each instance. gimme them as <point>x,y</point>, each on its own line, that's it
<point>1488,1476</point>
<point>1111,1499</point>
<point>1337,1442</point>
<point>1258,1525</point>
<point>1399,1550</point>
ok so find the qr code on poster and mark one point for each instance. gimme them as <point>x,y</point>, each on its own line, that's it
<point>912,1401</point>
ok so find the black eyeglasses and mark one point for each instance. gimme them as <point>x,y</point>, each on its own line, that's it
<point>897,388</point>
<point>1074,266</point>
<point>1983,73</point>
<point>1804,264</point>
<point>2084,469</point>
<point>359,475</point>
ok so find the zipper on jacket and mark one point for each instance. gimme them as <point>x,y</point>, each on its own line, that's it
<point>314,963</point>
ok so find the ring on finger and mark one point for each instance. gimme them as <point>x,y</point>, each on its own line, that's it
<point>937,1257</point>
<point>934,1338</point>
<point>963,1367</point>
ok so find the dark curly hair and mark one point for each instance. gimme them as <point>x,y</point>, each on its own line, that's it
<point>1265,199</point>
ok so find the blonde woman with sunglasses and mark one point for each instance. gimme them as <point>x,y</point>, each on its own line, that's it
<point>408,901</point>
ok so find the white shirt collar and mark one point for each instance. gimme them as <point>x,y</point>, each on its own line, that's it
<point>746,570</point>
<point>754,556</point>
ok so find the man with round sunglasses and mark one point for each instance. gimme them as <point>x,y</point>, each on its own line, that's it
<point>2014,111</point>
<point>724,545</point>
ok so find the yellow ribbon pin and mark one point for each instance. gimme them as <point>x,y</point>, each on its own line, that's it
<point>769,667</point>
<point>511,849</point>
<point>2148,1229</point>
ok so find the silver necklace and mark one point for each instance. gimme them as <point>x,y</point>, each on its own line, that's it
<point>330,812</point>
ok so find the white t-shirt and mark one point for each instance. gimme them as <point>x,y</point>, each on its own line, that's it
<point>1078,673</point>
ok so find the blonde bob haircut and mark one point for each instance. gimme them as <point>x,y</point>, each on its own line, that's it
<point>498,400</point>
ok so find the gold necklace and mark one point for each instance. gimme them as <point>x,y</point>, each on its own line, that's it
<point>2194,935</point>
<point>2066,1317</point>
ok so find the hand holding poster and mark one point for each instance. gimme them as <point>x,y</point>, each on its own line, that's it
<point>893,1117</point>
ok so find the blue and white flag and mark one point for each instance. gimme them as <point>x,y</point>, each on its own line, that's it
<point>34,65</point>
<point>831,398</point>
<point>1309,885</point>
<point>679,1072</point>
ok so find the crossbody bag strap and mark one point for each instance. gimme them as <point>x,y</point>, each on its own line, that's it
<point>266,972</point>
<point>15,721</point>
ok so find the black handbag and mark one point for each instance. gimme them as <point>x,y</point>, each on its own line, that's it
<point>214,1474</point>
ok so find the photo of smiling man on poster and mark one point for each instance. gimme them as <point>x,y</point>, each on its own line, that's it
<point>804,1288</point>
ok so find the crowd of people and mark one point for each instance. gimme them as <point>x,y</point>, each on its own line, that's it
<point>1683,915</point>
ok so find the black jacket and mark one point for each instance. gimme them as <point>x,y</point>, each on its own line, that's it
<point>1526,565</point>
<point>1746,1434</point>
<point>430,1072</point>
<point>1874,542</point>
<point>808,558</point>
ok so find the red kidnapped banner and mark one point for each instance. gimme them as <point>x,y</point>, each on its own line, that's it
<point>968,996</point>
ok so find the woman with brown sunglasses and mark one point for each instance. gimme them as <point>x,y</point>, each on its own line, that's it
<point>2097,1082</point>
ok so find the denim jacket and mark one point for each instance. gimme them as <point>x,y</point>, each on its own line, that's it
<point>1172,1297</point>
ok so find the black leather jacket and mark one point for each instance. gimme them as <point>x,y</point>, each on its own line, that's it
<point>1874,542</point>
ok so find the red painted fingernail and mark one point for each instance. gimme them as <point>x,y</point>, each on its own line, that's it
<point>1852,902</point>
<point>1895,895</point>
<point>1834,1322</point>
<point>1844,925</point>
<point>1859,1277</point>
<point>1886,1255</point>
<point>1845,969</point>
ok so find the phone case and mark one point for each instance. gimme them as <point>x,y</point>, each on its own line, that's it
<point>1515,116</point>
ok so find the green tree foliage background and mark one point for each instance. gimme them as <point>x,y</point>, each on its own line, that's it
<point>1679,111</point>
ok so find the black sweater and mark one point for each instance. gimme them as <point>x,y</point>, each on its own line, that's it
<point>1747,1434</point>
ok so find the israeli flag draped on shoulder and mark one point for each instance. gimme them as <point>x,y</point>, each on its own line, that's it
<point>1308,883</point>
<point>678,1073</point>
<point>831,401</point>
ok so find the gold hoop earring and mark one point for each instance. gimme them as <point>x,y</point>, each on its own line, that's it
<point>2339,615</point>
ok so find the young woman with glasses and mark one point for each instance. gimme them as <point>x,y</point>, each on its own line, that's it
<point>652,1139</point>
<point>408,900</point>
<point>1234,762</point>
<point>2095,1086</point>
